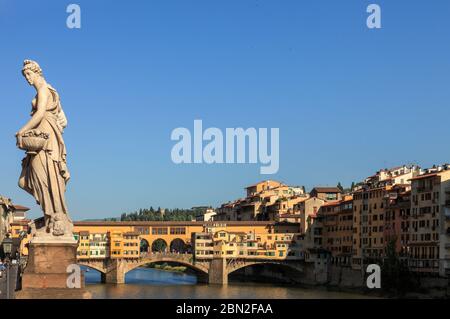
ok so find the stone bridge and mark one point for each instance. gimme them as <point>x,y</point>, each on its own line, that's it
<point>213,271</point>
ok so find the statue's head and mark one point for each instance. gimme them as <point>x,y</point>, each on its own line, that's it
<point>31,71</point>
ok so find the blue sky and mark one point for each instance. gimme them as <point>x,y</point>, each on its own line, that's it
<point>348,100</point>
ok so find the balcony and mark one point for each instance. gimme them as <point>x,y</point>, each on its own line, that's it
<point>424,189</point>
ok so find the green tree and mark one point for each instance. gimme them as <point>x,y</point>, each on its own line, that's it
<point>152,215</point>
<point>159,245</point>
<point>395,275</point>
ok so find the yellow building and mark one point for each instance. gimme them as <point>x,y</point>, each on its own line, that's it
<point>130,239</point>
<point>83,249</point>
<point>98,245</point>
<point>116,244</point>
<point>131,245</point>
<point>19,228</point>
<point>219,242</point>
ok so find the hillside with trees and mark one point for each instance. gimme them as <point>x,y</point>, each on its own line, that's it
<point>159,214</point>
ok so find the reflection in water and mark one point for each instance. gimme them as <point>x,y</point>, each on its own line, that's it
<point>148,283</point>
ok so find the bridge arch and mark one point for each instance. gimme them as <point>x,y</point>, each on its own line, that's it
<point>286,265</point>
<point>178,245</point>
<point>159,245</point>
<point>181,259</point>
<point>144,246</point>
<point>93,266</point>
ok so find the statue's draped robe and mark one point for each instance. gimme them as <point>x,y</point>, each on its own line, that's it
<point>45,174</point>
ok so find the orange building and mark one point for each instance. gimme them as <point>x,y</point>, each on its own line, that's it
<point>429,236</point>
<point>397,218</point>
<point>335,220</point>
<point>368,224</point>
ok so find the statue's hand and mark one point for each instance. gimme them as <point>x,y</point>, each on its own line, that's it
<point>19,139</point>
<point>20,132</point>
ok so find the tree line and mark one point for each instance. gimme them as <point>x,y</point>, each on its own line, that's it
<point>151,214</point>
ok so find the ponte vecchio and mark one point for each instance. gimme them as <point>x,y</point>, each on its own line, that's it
<point>212,249</point>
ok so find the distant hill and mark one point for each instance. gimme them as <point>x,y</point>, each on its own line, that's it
<point>160,214</point>
<point>151,214</point>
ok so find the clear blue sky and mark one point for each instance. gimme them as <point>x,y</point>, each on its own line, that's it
<point>348,100</point>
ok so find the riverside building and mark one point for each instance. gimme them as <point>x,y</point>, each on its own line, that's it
<point>429,246</point>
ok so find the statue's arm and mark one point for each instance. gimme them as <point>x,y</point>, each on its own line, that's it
<point>42,99</point>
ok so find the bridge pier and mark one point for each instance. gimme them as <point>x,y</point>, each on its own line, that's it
<point>114,277</point>
<point>116,274</point>
<point>218,274</point>
<point>103,278</point>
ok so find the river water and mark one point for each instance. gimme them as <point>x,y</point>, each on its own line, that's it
<point>149,283</point>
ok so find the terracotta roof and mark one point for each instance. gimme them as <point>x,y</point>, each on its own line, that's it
<point>327,190</point>
<point>334,203</point>
<point>20,207</point>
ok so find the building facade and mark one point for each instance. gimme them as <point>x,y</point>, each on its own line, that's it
<point>429,237</point>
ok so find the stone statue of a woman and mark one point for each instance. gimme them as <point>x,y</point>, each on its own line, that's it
<point>44,171</point>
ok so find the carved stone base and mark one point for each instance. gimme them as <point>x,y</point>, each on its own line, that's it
<point>45,275</point>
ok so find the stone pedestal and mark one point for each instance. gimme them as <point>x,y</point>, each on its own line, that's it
<point>45,275</point>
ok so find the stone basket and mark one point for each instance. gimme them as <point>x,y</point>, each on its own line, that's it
<point>33,141</point>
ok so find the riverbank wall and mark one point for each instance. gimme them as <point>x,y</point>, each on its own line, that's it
<point>336,278</point>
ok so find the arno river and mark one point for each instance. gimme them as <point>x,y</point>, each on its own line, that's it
<point>151,283</point>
